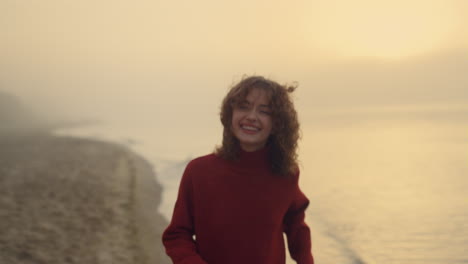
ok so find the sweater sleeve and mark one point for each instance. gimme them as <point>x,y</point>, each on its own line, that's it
<point>297,231</point>
<point>178,236</point>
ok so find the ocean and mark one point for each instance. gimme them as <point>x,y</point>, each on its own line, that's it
<point>382,190</point>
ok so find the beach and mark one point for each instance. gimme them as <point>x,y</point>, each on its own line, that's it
<point>73,200</point>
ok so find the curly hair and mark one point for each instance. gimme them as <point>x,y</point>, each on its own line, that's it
<point>282,142</point>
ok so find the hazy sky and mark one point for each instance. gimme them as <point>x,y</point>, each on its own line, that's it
<point>163,59</point>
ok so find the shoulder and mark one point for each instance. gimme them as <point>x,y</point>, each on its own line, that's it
<point>204,162</point>
<point>204,168</point>
<point>292,183</point>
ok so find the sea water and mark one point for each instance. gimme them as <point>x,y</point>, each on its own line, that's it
<point>389,192</point>
<point>381,191</point>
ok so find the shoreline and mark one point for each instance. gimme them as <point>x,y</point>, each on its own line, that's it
<point>66,199</point>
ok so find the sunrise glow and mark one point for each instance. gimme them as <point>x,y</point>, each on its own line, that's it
<point>390,29</point>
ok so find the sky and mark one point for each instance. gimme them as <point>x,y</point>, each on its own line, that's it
<point>174,60</point>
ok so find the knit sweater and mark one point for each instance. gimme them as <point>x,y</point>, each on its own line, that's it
<point>231,212</point>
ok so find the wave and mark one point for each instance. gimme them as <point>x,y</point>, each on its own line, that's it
<point>169,173</point>
<point>329,246</point>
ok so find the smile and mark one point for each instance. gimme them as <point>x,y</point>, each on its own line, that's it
<point>250,128</point>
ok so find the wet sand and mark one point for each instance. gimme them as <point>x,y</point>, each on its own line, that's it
<point>70,200</point>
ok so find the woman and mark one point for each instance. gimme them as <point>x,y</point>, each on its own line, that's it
<point>234,205</point>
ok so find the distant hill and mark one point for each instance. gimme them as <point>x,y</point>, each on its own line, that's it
<point>14,116</point>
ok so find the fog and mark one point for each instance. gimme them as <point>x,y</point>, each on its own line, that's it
<point>171,63</point>
<point>431,84</point>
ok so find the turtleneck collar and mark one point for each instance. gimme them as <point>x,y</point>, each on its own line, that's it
<point>253,159</point>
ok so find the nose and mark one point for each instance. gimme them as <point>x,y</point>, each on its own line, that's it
<point>252,115</point>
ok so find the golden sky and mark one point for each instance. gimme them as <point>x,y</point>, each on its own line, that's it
<point>141,28</point>
<point>389,29</point>
<point>149,52</point>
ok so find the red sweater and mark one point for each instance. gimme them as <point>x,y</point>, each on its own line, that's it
<point>231,212</point>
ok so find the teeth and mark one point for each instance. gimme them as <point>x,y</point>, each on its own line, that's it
<point>251,128</point>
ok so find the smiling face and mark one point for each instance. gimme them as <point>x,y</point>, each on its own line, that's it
<point>252,120</point>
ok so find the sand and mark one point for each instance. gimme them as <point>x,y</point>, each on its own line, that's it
<point>70,200</point>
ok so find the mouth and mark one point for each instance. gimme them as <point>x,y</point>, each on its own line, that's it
<point>250,129</point>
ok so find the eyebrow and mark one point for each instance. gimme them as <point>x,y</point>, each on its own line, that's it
<point>245,101</point>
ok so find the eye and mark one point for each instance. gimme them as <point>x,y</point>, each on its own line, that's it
<point>265,112</point>
<point>243,105</point>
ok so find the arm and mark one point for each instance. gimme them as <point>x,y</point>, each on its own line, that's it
<point>297,231</point>
<point>178,236</point>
